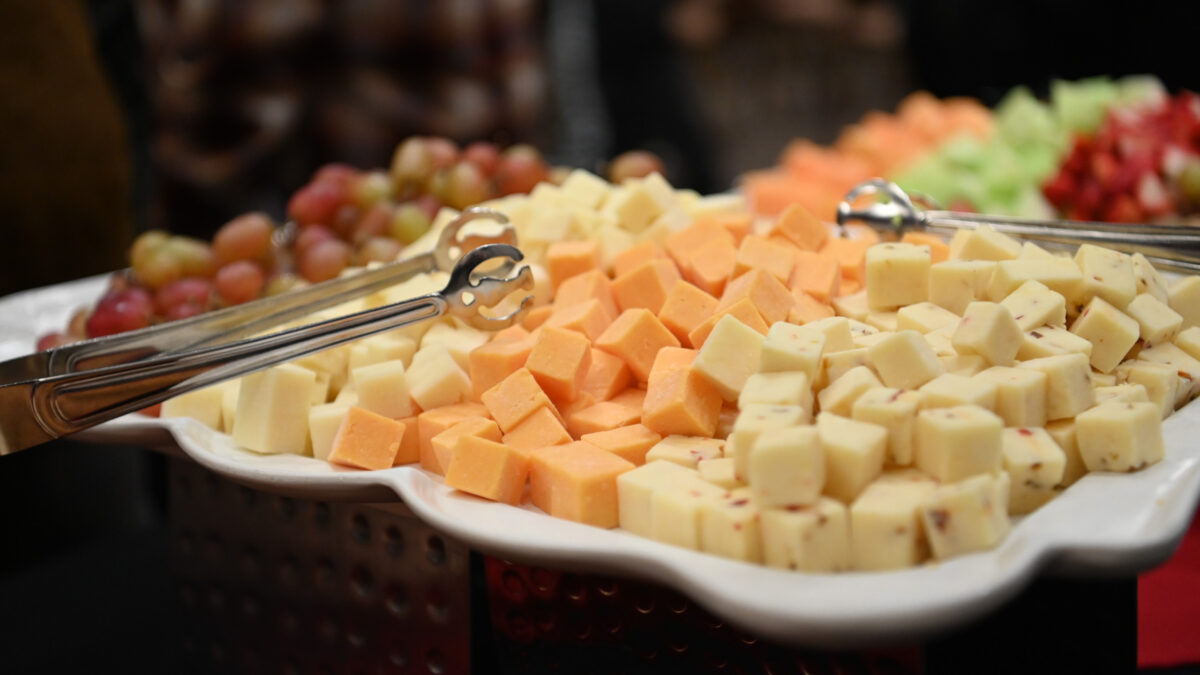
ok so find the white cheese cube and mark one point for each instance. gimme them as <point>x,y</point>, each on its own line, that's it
<point>852,306</point>
<point>1156,321</point>
<point>1063,433</point>
<point>323,423</point>
<point>230,389</point>
<point>1031,251</point>
<point>1068,384</point>
<point>837,364</point>
<point>612,240</point>
<point>730,355</point>
<point>636,487</point>
<point>383,389</point>
<point>838,332</point>
<point>886,532</point>
<point>924,317</point>
<point>269,404</point>
<point>968,516</point>
<point>882,321</point>
<point>390,346</point>
<point>778,389</point>
<point>1032,304</point>
<point>955,283</point>
<point>754,420</point>
<point>808,539</point>
<point>1034,464</point>
<point>1051,341</point>
<point>896,275</point>
<point>854,453</point>
<point>840,395</point>
<point>955,443</point>
<point>1020,395</point>
<point>1060,275</point>
<point>983,243</point>
<point>1120,436</point>
<point>675,512</point>
<point>949,391</point>
<point>719,471</point>
<point>1107,274</point>
<point>896,411</point>
<point>1183,296</point>
<point>1148,279</point>
<point>459,341</point>
<point>905,361</point>
<point>940,341</point>
<point>869,340</point>
<point>1160,381</point>
<point>858,331</point>
<point>584,189</point>
<point>787,468</point>
<point>730,526</point>
<point>202,405</point>
<point>1122,393</point>
<point>686,451</point>
<point>634,206</point>
<point>789,347</point>
<point>435,379</point>
<point>964,364</point>
<point>989,330</point>
<point>1104,379</point>
<point>1186,367</point>
<point>1189,341</point>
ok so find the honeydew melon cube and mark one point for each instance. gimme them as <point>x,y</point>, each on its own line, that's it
<point>1068,384</point>
<point>1111,332</point>
<point>854,454</point>
<point>955,283</point>
<point>1147,279</point>
<point>897,274</point>
<point>789,347</point>
<point>983,243</point>
<point>1120,436</point>
<point>886,531</point>
<point>904,360</point>
<point>807,539</point>
<point>1107,274</point>
<point>1051,341</point>
<point>383,389</point>
<point>1183,296</point>
<point>1035,465</point>
<point>1033,304</point>
<point>989,330</point>
<point>269,403</point>
<point>754,420</point>
<point>924,317</point>
<point>435,379</point>
<point>896,411</point>
<point>787,467</point>
<point>730,355</point>
<point>1157,322</point>
<point>950,390</point>
<point>730,526</point>
<point>967,516</point>
<point>792,388</point>
<point>1020,395</point>
<point>959,442</point>
<point>839,396</point>
<point>636,487</point>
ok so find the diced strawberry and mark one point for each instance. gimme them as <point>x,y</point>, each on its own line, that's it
<point>1123,209</point>
<point>1152,195</point>
<point>1060,189</point>
<point>1104,169</point>
<point>1077,159</point>
<point>1090,196</point>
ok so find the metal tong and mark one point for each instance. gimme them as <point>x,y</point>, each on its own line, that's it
<point>58,392</point>
<point>1170,247</point>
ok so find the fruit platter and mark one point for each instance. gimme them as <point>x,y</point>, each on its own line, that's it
<point>819,435</point>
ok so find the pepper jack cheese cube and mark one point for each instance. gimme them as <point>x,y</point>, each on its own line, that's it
<point>752,421</point>
<point>837,364</point>
<point>885,526</point>
<point>1060,275</point>
<point>904,360</point>
<point>808,539</point>
<point>896,411</point>
<point>954,284</point>
<point>1111,332</point>
<point>435,379</point>
<point>1068,384</point>
<point>1156,321</point>
<point>202,405</point>
<point>789,347</point>
<point>577,482</point>
<point>269,403</point>
<point>964,364</point>
<point>383,389</point>
<point>882,321</point>
<point>949,390</point>
<point>924,317</point>
<point>675,512</point>
<point>459,341</point>
<point>1035,466</point>
<point>854,453</point>
<point>983,243</point>
<point>956,443</point>
<point>1032,304</point>
<point>1186,367</point>
<point>720,471</point>
<point>686,451</point>
<point>852,306</point>
<point>1051,341</point>
<point>793,388</point>
<point>1063,433</point>
<point>989,330</point>
<point>730,355</point>
<point>1107,274</point>
<point>840,395</point>
<point>1183,296</point>
<point>730,527</point>
<point>787,467</point>
<point>636,488</point>
<point>1122,393</point>
<point>1147,279</point>
<point>1189,341</point>
<point>968,516</point>
<point>1160,381</point>
<point>897,275</point>
<point>1120,436</point>
<point>1020,395</point>
<point>838,332</point>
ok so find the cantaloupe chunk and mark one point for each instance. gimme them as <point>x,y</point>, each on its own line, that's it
<point>760,253</point>
<point>678,400</point>
<point>559,362</point>
<point>636,256</point>
<point>743,310</point>
<point>602,416</point>
<point>593,285</point>
<point>588,318</point>
<point>496,360</point>
<point>540,430</point>
<point>441,446</point>
<point>635,337</point>
<point>645,286</point>
<point>366,440</point>
<point>711,265</point>
<point>769,295</point>
<point>816,274</point>
<point>565,259</point>
<point>630,443</point>
<point>685,308</point>
<point>577,482</point>
<point>488,469</point>
<point>514,398</point>
<point>802,228</point>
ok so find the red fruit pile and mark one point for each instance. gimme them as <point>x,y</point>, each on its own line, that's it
<point>1143,163</point>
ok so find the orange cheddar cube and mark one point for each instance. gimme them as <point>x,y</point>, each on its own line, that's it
<point>565,409</point>
<point>577,482</point>
<point>682,245</point>
<point>645,286</point>
<point>849,287</point>
<point>540,430</point>
<point>366,440</point>
<point>588,318</point>
<point>442,446</point>
<point>802,228</point>
<point>430,423</point>
<point>768,294</point>
<point>496,360</point>
<point>630,443</point>
<point>559,362</point>
<point>514,398</point>
<point>685,308</point>
<point>678,401</point>
<point>593,285</point>
<point>602,416</point>
<point>711,265</point>
<point>410,444</point>
<point>743,310</point>
<point>938,249</point>
<point>816,274</point>
<point>760,253</point>
<point>736,223</point>
<point>536,317</point>
<point>635,337</point>
<point>851,255</point>
<point>636,256</point>
<point>513,332</point>
<point>631,397</point>
<point>488,469</point>
<point>565,259</point>
<point>808,308</point>
<point>607,376</point>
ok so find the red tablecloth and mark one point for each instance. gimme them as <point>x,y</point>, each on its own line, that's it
<point>1169,607</point>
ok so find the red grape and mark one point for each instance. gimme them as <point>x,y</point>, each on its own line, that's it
<point>337,174</point>
<point>484,155</point>
<point>378,249</point>
<point>633,164</point>
<point>310,235</point>
<point>429,204</point>
<point>195,257</point>
<point>52,340</point>
<point>344,220</point>
<point>465,186</point>
<point>121,311</point>
<point>442,151</point>
<point>158,268</point>
<point>190,290</point>
<point>247,237</point>
<point>183,310</point>
<point>316,203</point>
<point>239,281</point>
<point>521,169</point>
<point>374,223</point>
<point>324,260</point>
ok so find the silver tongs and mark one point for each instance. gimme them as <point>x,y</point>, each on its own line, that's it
<point>58,392</point>
<point>1170,247</point>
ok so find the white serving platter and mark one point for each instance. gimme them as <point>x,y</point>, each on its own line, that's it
<point>1105,525</point>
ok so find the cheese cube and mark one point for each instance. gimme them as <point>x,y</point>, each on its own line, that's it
<point>1160,381</point>
<point>1050,341</point>
<point>687,451</point>
<point>675,512</point>
<point>1186,367</point>
<point>323,423</point>
<point>720,471</point>
<point>988,330</point>
<point>1107,274</point>
<point>787,467</point>
<point>559,361</point>
<point>1060,275</point>
<point>269,403</point>
<point>577,482</point>
<point>1063,433</point>
<point>730,527</point>
<point>435,379</point>
<point>1156,321</point>
<point>630,442</point>
<point>1068,384</point>
<point>924,317</point>
<point>904,360</point>
<point>758,252</point>
<point>584,189</point>
<point>514,398</point>
<point>840,395</point>
<point>647,286</point>
<point>678,400</point>
<point>955,443</point>
<point>983,243</point>
<point>1035,466</point>
<point>436,455</point>
<point>1030,250</point>
<point>789,347</point>
<point>684,309</point>
<point>1020,395</point>
<point>730,355</point>
<point>956,283</point>
<point>636,487</point>
<point>837,364</point>
<point>366,440</point>
<point>968,516</point>
<point>1147,279</point>
<point>491,363</point>
<point>940,342</point>
<point>949,390</point>
<point>488,469</point>
<point>1183,296</point>
<point>768,294</point>
<point>754,420</point>
<point>607,376</point>
<point>886,532</point>
<point>778,389</point>
<point>807,539</point>
<point>635,337</point>
<point>801,227</point>
<point>897,275</point>
<point>383,389</point>
<point>896,411</point>
<point>1120,436</point>
<point>459,341</point>
<point>852,305</point>
<point>838,331</point>
<point>1111,332</point>
<point>1104,379</point>
<point>1033,304</point>
<point>202,405</point>
<point>854,453</point>
<point>1189,341</point>
<point>539,430</point>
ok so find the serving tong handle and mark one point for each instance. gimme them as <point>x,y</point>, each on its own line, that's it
<point>1170,247</point>
<point>38,410</point>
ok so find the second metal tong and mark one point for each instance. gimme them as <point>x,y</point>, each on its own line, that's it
<point>51,394</point>
<point>1169,247</point>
